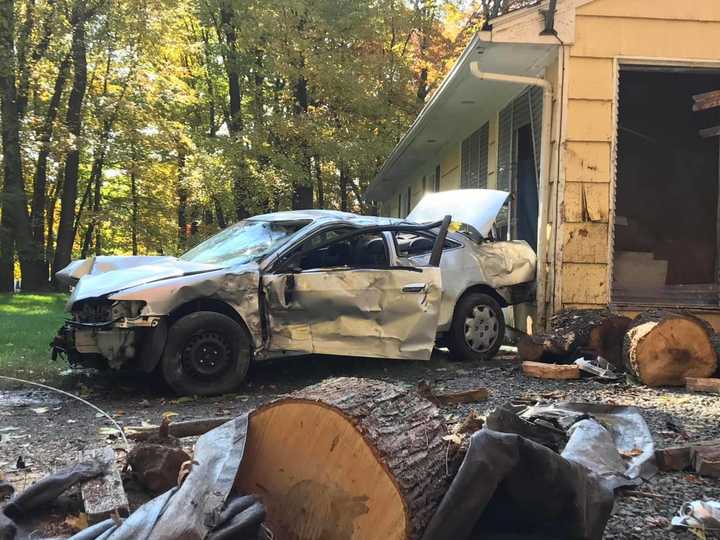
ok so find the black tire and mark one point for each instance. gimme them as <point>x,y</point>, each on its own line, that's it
<point>206,354</point>
<point>481,337</point>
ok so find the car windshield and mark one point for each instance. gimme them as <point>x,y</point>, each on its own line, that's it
<point>243,242</point>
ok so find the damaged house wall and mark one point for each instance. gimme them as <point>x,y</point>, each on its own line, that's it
<point>609,33</point>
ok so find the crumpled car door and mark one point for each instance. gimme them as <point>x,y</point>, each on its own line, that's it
<point>379,312</point>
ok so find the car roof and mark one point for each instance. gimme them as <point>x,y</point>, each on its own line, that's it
<point>326,216</point>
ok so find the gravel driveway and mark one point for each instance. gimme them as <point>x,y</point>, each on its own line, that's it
<point>47,430</point>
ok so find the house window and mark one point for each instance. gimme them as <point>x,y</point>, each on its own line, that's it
<point>666,197</point>
<point>409,200</point>
<point>519,133</point>
<point>436,183</point>
<point>474,159</point>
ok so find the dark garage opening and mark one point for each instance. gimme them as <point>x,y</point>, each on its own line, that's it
<point>666,207</point>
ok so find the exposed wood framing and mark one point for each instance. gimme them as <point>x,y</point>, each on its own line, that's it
<point>706,101</point>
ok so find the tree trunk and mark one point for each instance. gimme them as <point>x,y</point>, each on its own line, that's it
<point>663,349</point>
<point>319,182</point>
<point>302,190</point>
<point>39,197</point>
<point>577,332</point>
<point>182,204</point>
<point>347,458</point>
<point>73,119</point>
<point>15,218</point>
<point>219,213</point>
<point>135,210</point>
<point>344,179</point>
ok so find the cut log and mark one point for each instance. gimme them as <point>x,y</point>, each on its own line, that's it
<point>347,458</point>
<point>663,349</point>
<point>189,428</point>
<point>540,370</point>
<point>574,333</point>
<point>103,496</point>
<point>711,386</point>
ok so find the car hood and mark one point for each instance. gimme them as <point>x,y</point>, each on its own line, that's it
<point>99,276</point>
<point>476,207</point>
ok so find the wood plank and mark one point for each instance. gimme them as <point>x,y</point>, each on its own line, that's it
<point>105,495</point>
<point>710,132</point>
<point>683,457</point>
<point>551,371</point>
<point>709,100</point>
<point>188,428</point>
<point>695,384</point>
<point>706,461</point>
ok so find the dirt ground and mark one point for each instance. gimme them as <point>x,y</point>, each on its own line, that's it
<point>45,430</point>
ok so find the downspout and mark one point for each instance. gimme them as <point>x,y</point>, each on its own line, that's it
<point>544,181</point>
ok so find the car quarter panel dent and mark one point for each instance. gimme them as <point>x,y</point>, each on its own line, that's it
<point>354,312</point>
<point>237,289</point>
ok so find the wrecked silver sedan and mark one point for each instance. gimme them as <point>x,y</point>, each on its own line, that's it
<point>299,282</point>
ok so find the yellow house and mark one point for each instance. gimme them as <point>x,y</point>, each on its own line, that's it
<point>585,111</point>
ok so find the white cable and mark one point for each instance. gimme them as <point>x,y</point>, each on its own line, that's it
<point>106,415</point>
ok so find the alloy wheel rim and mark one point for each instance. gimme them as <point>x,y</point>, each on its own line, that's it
<point>481,328</point>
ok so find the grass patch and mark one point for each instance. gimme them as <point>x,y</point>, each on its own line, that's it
<point>28,323</point>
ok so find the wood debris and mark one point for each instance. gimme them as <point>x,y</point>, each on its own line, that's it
<point>551,371</point>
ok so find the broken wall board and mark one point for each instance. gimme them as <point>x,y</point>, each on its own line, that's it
<point>696,384</point>
<point>105,495</point>
<point>551,371</point>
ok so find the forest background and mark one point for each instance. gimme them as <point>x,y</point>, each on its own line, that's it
<point>142,126</point>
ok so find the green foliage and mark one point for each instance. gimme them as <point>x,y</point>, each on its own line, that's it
<point>198,112</point>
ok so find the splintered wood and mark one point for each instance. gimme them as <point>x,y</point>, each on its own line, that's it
<point>551,371</point>
<point>103,496</point>
<point>711,386</point>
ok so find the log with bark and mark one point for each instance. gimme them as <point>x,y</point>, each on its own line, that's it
<point>347,458</point>
<point>663,348</point>
<point>574,333</point>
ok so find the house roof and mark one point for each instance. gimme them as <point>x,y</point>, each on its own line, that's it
<point>463,103</point>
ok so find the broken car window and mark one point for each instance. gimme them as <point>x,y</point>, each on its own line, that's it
<point>243,242</point>
<point>361,251</point>
<point>411,244</point>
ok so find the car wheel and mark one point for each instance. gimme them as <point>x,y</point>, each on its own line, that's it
<point>478,328</point>
<point>207,353</point>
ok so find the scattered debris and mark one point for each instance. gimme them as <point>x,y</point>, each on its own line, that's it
<point>703,515</point>
<point>612,441</point>
<point>695,384</point>
<point>682,458</point>
<point>452,398</point>
<point>103,496</point>
<point>599,367</point>
<point>42,492</point>
<point>551,371</point>
<point>577,332</point>
<point>157,466</point>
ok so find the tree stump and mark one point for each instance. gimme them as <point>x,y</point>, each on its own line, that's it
<point>347,458</point>
<point>577,332</point>
<point>663,348</point>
